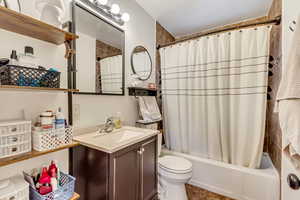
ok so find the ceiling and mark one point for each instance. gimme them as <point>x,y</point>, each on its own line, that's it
<point>184,17</point>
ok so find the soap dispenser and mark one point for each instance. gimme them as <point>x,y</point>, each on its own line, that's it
<point>118,121</point>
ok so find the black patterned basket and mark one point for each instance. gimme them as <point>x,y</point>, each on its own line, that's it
<point>26,76</point>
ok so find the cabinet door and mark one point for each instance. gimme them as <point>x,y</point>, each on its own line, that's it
<point>90,167</point>
<point>125,174</point>
<point>148,175</point>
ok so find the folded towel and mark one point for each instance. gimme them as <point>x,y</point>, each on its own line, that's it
<point>290,83</point>
<point>149,108</point>
<point>289,118</point>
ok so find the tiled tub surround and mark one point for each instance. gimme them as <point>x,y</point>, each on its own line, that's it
<point>273,131</point>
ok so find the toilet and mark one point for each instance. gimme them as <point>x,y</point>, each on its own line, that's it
<point>173,173</point>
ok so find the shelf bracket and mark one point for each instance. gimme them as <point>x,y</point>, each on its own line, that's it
<point>69,51</point>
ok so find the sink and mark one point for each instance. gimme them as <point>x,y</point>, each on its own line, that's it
<point>116,140</point>
<point>118,136</point>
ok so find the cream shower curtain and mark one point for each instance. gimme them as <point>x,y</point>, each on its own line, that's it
<point>111,74</point>
<point>214,95</point>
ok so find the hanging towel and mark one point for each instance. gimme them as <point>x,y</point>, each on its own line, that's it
<point>289,117</point>
<point>290,83</point>
<point>149,108</point>
<point>288,101</point>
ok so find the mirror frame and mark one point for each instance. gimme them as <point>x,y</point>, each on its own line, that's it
<point>74,70</point>
<point>132,65</point>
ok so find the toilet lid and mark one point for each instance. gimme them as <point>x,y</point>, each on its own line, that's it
<point>175,164</point>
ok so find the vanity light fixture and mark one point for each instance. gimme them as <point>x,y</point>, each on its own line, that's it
<point>115,9</point>
<point>125,17</point>
<point>112,11</point>
<point>101,2</point>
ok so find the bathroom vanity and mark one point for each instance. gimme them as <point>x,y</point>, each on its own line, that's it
<point>117,166</point>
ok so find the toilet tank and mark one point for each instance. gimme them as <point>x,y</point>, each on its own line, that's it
<point>159,144</point>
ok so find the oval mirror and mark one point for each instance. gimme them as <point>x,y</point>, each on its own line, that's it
<point>141,63</point>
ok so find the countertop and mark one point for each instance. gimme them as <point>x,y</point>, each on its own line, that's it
<point>116,140</point>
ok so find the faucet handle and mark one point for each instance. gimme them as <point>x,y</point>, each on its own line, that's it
<point>110,120</point>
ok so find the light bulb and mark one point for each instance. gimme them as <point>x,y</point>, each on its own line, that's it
<point>102,2</point>
<point>125,17</point>
<point>115,9</point>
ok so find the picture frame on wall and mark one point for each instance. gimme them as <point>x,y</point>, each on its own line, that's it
<point>13,5</point>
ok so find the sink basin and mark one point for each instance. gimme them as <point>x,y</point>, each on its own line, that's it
<point>118,136</point>
<point>116,140</point>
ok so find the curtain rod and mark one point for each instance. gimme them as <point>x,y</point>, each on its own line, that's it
<point>275,21</point>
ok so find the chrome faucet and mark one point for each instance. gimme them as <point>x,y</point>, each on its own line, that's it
<point>108,126</point>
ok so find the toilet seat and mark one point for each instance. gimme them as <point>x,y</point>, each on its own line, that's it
<point>175,165</point>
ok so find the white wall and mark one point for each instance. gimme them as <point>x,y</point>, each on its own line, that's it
<point>139,31</point>
<point>86,63</point>
<point>93,109</point>
<point>291,10</point>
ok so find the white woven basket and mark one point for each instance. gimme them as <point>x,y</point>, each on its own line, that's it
<point>52,139</point>
<point>15,138</point>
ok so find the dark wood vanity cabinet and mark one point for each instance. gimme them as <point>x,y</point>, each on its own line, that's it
<point>128,174</point>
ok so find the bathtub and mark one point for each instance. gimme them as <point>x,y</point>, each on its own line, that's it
<point>232,181</point>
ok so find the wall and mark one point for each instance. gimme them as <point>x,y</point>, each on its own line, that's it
<point>14,103</point>
<point>162,37</point>
<point>93,110</point>
<point>86,63</point>
<point>291,11</point>
<point>139,31</point>
<point>273,131</point>
<point>104,50</point>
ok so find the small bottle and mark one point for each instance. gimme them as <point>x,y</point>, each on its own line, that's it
<point>44,178</point>
<point>14,58</point>
<point>59,119</point>
<point>53,169</point>
<point>54,184</point>
<point>117,121</point>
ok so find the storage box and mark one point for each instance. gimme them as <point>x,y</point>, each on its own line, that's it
<point>64,192</point>
<point>15,188</point>
<point>26,76</point>
<point>15,138</point>
<point>52,139</point>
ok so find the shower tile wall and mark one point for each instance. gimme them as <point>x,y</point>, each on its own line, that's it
<point>162,37</point>
<point>273,131</point>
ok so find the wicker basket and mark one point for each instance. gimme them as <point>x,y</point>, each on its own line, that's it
<point>51,139</point>
<point>25,76</point>
<point>64,192</point>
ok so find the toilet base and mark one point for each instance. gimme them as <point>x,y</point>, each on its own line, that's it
<point>171,191</point>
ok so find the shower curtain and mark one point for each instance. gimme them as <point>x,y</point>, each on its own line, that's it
<point>111,74</point>
<point>214,95</point>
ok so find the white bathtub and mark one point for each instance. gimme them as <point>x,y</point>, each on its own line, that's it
<point>232,181</point>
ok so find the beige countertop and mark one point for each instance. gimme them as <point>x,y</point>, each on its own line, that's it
<point>116,140</point>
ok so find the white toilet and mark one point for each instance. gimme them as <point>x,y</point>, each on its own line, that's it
<point>173,173</point>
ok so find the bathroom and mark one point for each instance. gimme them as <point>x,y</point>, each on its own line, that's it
<point>213,146</point>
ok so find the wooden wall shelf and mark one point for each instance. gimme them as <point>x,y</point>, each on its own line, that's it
<point>28,26</point>
<point>32,154</point>
<point>22,88</point>
<point>75,197</point>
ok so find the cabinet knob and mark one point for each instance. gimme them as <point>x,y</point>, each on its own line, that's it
<point>293,181</point>
<point>140,152</point>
